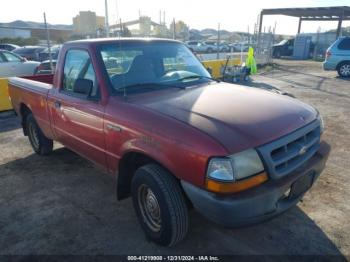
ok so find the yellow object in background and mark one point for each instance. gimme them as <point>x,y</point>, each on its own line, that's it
<point>5,103</point>
<point>251,62</point>
<point>218,65</point>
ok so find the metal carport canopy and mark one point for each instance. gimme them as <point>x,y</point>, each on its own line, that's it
<point>336,13</point>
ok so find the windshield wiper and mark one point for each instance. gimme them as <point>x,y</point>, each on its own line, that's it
<point>197,77</point>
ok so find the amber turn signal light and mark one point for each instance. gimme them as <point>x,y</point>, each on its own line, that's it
<point>238,186</point>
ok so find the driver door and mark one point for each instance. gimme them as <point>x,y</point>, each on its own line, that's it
<point>78,118</point>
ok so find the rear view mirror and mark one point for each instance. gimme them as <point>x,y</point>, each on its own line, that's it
<point>83,86</point>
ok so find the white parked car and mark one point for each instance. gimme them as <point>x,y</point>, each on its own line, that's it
<point>15,65</point>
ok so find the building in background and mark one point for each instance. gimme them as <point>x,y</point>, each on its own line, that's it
<point>87,23</point>
<point>142,27</point>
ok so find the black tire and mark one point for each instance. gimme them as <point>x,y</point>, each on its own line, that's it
<point>40,143</point>
<point>344,69</point>
<point>210,50</point>
<point>169,223</point>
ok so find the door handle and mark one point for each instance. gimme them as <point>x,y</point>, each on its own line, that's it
<point>114,127</point>
<point>57,104</point>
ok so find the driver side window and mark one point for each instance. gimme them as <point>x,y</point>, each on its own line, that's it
<point>78,66</point>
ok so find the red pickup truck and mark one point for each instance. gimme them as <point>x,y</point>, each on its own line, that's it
<point>147,111</point>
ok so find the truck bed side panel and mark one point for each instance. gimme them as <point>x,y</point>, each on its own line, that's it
<point>48,79</point>
<point>32,94</point>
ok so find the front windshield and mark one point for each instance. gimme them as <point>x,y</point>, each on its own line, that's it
<point>283,42</point>
<point>158,64</point>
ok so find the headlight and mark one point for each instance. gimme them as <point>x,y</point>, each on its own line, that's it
<point>246,163</point>
<point>220,169</point>
<point>235,167</point>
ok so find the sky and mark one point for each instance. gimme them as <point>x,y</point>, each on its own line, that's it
<point>233,15</point>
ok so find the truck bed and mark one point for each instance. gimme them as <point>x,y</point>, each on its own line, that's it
<point>32,91</point>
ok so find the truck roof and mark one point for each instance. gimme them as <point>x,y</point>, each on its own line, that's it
<point>95,41</point>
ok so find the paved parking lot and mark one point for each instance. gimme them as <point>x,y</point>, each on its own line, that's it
<point>62,204</point>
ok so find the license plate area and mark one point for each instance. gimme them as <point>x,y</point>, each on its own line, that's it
<point>302,185</point>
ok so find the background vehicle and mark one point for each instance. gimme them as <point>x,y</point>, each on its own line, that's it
<point>148,112</point>
<point>45,67</point>
<point>236,47</point>
<point>207,46</point>
<point>31,53</point>
<point>286,48</point>
<point>8,47</point>
<point>210,46</point>
<point>283,48</point>
<point>14,65</point>
<point>193,46</point>
<point>223,47</point>
<point>44,55</point>
<point>338,57</point>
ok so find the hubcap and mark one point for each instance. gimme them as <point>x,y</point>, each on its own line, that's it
<point>345,70</point>
<point>150,209</point>
<point>34,136</point>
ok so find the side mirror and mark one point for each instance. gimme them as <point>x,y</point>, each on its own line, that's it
<point>83,86</point>
<point>23,59</point>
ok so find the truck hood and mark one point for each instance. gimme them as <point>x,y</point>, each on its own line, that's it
<point>237,117</point>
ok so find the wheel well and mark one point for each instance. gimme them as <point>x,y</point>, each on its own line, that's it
<point>127,167</point>
<point>24,111</point>
<point>342,63</point>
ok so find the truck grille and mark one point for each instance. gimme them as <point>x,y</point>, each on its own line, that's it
<point>289,152</point>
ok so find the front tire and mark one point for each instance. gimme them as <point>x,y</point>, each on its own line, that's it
<point>344,69</point>
<point>40,143</point>
<point>160,205</point>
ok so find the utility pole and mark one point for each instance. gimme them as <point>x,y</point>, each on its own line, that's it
<point>174,29</point>
<point>248,36</point>
<point>218,44</point>
<point>48,42</point>
<point>107,25</point>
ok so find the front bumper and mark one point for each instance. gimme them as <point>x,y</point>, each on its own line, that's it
<point>329,66</point>
<point>262,202</point>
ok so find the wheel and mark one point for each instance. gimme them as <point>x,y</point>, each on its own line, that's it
<point>160,205</point>
<point>210,50</point>
<point>344,69</point>
<point>40,143</point>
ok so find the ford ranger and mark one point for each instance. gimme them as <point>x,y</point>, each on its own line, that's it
<point>148,112</point>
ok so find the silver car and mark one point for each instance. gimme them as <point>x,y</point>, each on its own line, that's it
<point>14,65</point>
<point>338,57</point>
